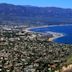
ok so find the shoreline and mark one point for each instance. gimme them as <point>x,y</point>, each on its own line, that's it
<point>28,29</point>
<point>55,34</point>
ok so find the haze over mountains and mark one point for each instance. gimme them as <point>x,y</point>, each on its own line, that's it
<point>34,15</point>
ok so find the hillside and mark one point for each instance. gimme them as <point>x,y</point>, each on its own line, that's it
<point>34,15</point>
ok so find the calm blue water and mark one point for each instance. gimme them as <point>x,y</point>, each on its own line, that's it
<point>66,30</point>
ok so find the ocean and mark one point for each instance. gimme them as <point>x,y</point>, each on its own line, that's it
<point>64,29</point>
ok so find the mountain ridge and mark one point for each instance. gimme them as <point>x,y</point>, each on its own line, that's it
<point>32,14</point>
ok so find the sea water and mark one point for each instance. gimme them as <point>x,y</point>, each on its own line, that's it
<point>64,29</point>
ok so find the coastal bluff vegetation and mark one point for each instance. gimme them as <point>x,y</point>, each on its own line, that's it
<point>22,51</point>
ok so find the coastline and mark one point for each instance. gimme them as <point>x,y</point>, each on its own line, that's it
<point>28,29</point>
<point>55,34</point>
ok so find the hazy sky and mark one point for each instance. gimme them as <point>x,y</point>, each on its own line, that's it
<point>43,3</point>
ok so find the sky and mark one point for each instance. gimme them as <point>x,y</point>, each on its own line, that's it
<point>41,3</point>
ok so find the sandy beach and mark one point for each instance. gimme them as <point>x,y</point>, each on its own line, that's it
<point>55,35</point>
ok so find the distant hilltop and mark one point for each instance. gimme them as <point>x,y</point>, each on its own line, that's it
<point>34,15</point>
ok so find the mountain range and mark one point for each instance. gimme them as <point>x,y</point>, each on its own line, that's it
<point>18,14</point>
